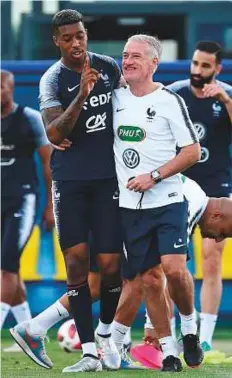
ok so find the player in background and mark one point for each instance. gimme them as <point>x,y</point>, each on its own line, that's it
<point>22,134</point>
<point>209,103</point>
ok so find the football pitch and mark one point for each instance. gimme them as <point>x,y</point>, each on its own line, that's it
<point>17,365</point>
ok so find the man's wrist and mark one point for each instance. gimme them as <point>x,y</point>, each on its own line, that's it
<point>156,176</point>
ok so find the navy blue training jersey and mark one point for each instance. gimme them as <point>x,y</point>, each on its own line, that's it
<point>214,129</point>
<point>21,134</point>
<point>91,154</point>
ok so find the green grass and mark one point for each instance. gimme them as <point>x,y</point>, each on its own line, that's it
<point>17,365</point>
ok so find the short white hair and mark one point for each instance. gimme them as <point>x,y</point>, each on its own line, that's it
<point>153,42</point>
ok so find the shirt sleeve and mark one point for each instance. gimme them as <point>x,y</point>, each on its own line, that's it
<point>180,122</point>
<point>178,85</point>
<point>35,119</point>
<point>48,88</point>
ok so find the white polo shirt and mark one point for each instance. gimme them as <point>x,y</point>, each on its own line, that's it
<point>147,131</point>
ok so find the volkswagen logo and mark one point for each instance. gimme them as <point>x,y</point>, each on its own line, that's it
<point>204,155</point>
<point>131,158</point>
<point>201,130</point>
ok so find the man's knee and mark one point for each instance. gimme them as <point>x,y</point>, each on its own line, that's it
<point>133,287</point>
<point>109,267</point>
<point>9,277</point>
<point>77,263</point>
<point>153,278</point>
<point>174,267</point>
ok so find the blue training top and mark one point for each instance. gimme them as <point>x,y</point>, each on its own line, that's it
<point>91,154</point>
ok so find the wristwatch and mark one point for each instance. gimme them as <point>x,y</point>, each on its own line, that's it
<point>155,175</point>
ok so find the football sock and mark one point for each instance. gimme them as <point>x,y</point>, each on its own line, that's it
<point>168,346</point>
<point>21,312</point>
<point>5,308</point>
<point>188,324</point>
<point>81,308</point>
<point>119,332</point>
<point>52,315</point>
<point>89,349</point>
<point>207,326</point>
<point>109,297</point>
<point>103,329</point>
<point>173,327</point>
<point>127,339</point>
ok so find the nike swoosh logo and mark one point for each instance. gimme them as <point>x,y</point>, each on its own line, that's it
<point>178,245</point>
<point>33,344</point>
<point>119,110</point>
<point>116,197</point>
<point>122,333</point>
<point>72,89</point>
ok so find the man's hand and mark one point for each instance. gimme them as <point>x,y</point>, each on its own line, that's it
<point>89,77</point>
<point>141,183</point>
<point>214,90</point>
<point>48,218</point>
<point>66,143</point>
<point>150,338</point>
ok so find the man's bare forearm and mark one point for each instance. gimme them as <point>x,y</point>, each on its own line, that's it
<point>59,123</point>
<point>187,157</point>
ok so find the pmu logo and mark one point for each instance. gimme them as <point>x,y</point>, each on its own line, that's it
<point>131,133</point>
<point>151,114</point>
<point>131,158</point>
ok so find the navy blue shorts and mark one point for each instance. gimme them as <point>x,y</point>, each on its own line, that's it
<point>84,206</point>
<point>152,233</point>
<point>18,219</point>
<point>215,187</point>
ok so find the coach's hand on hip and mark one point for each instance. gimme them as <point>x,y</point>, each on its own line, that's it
<point>141,183</point>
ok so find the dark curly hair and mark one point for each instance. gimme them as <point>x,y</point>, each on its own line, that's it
<point>66,17</point>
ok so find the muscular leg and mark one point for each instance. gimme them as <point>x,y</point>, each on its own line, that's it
<point>9,286</point>
<point>129,302</point>
<point>211,289</point>
<point>20,307</point>
<point>180,282</point>
<point>154,294</point>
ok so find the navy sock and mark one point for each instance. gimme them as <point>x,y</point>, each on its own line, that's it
<point>81,307</point>
<point>109,297</point>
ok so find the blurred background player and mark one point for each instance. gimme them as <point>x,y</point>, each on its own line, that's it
<point>209,102</point>
<point>22,134</point>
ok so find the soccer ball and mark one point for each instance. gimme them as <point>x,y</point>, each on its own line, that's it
<point>68,337</point>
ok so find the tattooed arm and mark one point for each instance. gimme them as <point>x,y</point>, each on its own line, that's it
<point>60,123</point>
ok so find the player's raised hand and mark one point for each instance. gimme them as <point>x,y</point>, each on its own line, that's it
<point>215,90</point>
<point>89,78</point>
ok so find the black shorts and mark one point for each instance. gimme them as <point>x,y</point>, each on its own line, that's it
<point>84,206</point>
<point>18,219</point>
<point>152,233</point>
<point>216,187</point>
